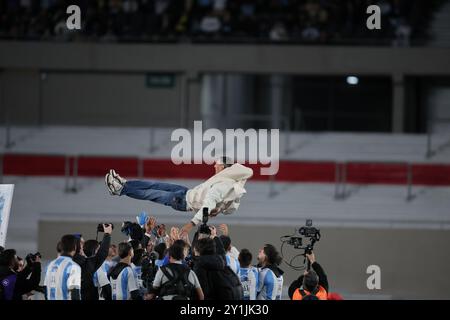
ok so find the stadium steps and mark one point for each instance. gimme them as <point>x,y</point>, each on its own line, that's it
<point>441,27</point>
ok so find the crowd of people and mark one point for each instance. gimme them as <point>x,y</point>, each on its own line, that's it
<point>156,264</point>
<point>317,21</point>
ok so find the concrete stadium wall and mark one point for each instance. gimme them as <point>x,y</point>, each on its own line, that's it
<point>414,263</point>
<point>192,58</point>
<point>19,95</point>
<point>102,79</point>
<point>107,99</point>
<point>87,98</point>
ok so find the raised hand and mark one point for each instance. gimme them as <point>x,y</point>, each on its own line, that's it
<point>224,229</point>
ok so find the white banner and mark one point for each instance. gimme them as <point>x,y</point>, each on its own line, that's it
<point>6,194</point>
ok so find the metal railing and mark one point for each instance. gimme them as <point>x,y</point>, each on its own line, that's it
<point>341,178</point>
<point>431,149</point>
<point>284,121</point>
<point>71,171</point>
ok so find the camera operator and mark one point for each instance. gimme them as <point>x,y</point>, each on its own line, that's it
<point>176,281</point>
<point>312,285</point>
<point>217,280</point>
<point>124,284</point>
<point>95,255</point>
<point>15,283</point>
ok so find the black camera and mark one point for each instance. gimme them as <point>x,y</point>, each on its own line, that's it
<point>308,231</point>
<point>204,228</point>
<point>296,242</point>
<point>308,234</point>
<point>101,229</point>
<point>132,230</point>
<point>148,268</point>
<point>31,258</point>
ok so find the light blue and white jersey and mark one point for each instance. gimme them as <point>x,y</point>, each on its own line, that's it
<point>101,277</point>
<point>233,263</point>
<point>249,279</point>
<point>138,275</point>
<point>270,286</point>
<point>124,284</point>
<point>62,275</point>
<point>110,263</point>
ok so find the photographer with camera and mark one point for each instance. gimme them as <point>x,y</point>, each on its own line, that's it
<point>312,285</point>
<point>176,281</point>
<point>95,256</point>
<point>217,280</point>
<point>14,283</point>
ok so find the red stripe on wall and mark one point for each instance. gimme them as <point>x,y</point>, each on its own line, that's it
<point>99,166</point>
<point>289,171</point>
<point>435,174</point>
<point>31,165</point>
<point>368,173</point>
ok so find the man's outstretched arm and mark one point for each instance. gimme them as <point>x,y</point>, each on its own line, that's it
<point>214,196</point>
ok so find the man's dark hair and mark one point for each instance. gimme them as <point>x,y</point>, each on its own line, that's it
<point>69,243</point>
<point>89,247</point>
<point>78,243</point>
<point>135,244</point>
<point>58,247</point>
<point>160,249</point>
<point>310,281</point>
<point>226,241</point>
<point>273,257</point>
<point>245,258</point>
<point>206,246</point>
<point>310,297</point>
<point>7,257</point>
<point>226,161</point>
<point>181,242</point>
<point>138,255</point>
<point>124,249</point>
<point>176,251</point>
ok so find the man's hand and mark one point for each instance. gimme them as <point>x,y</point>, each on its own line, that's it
<point>185,238</point>
<point>186,229</point>
<point>107,228</point>
<point>213,213</point>
<point>224,229</point>
<point>149,296</point>
<point>150,225</point>
<point>174,234</point>
<point>311,257</point>
<point>213,232</point>
<point>162,230</point>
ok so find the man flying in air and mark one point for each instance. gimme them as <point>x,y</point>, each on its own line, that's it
<point>220,194</point>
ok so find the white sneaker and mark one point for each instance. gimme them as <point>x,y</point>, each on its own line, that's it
<point>121,180</point>
<point>114,186</point>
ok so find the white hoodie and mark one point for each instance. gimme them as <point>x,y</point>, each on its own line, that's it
<point>222,191</point>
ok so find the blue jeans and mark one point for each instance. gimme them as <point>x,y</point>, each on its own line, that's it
<point>163,193</point>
